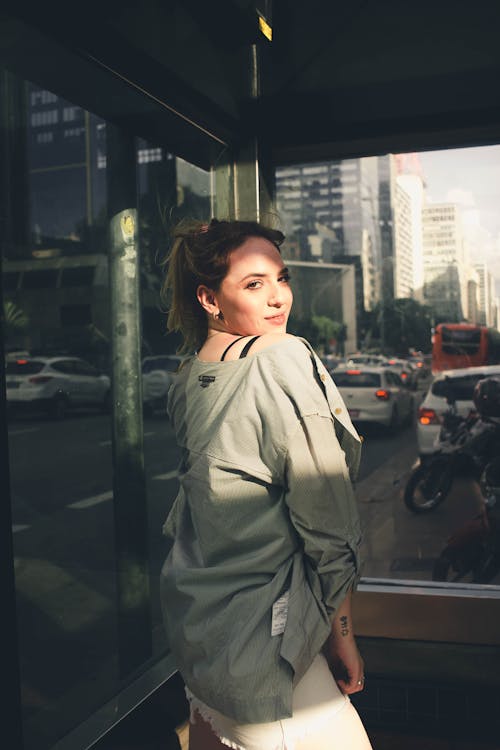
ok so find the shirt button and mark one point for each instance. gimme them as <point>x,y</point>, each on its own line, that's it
<point>338,410</point>
<point>323,377</point>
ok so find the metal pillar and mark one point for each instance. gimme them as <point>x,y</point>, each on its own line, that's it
<point>349,307</point>
<point>245,180</point>
<point>12,711</point>
<point>129,488</point>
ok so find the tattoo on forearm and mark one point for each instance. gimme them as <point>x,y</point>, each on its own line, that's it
<point>344,625</point>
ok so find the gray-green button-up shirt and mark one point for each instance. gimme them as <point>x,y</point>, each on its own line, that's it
<point>265,529</point>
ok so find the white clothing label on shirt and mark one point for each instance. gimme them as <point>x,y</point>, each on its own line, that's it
<point>280,613</point>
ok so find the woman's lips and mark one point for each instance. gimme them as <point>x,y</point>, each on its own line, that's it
<point>277,320</point>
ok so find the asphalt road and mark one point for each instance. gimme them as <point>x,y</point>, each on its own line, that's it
<point>56,466</point>
<point>62,516</point>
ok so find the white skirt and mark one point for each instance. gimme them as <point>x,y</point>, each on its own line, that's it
<point>318,707</point>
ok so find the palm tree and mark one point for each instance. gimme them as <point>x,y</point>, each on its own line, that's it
<point>15,319</point>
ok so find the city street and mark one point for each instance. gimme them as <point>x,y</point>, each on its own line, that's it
<point>62,514</point>
<point>61,479</point>
<point>66,467</point>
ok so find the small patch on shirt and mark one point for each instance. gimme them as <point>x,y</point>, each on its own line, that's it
<point>205,380</point>
<point>280,614</point>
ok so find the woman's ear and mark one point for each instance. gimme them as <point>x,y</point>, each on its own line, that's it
<point>207,299</point>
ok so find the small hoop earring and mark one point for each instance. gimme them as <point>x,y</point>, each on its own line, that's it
<point>218,316</point>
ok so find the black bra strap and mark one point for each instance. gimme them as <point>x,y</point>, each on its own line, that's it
<point>230,345</point>
<point>245,349</point>
<point>247,346</point>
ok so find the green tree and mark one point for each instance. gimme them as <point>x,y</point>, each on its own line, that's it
<point>399,325</point>
<point>15,320</point>
<point>319,330</point>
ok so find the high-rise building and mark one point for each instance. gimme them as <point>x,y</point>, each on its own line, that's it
<point>386,218</point>
<point>408,238</point>
<point>331,211</point>
<point>60,259</point>
<point>486,295</point>
<point>472,295</point>
<point>444,263</point>
<point>409,201</point>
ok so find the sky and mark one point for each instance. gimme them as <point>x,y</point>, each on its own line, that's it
<point>469,177</point>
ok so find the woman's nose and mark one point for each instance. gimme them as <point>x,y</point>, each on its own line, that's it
<point>276,297</point>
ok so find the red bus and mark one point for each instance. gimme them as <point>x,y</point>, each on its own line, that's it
<point>456,345</point>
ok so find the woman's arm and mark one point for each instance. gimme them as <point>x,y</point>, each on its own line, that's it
<point>342,653</point>
<point>323,509</point>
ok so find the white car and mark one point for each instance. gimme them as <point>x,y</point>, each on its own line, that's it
<point>157,374</point>
<point>55,384</point>
<point>434,404</point>
<point>374,360</point>
<point>374,394</point>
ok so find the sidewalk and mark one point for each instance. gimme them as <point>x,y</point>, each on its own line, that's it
<point>397,543</point>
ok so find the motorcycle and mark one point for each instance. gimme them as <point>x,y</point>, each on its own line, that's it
<point>464,446</point>
<point>473,552</point>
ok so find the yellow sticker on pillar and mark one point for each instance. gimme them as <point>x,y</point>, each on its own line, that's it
<point>128,227</point>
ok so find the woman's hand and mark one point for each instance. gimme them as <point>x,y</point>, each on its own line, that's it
<point>346,663</point>
<point>342,653</point>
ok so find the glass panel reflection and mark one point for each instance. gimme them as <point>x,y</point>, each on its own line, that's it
<point>56,307</point>
<point>408,347</point>
<point>169,189</point>
<point>58,397</point>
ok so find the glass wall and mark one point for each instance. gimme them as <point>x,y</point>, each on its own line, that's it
<point>57,313</point>
<point>396,261</point>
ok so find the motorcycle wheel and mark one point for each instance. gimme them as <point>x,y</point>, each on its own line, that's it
<point>428,486</point>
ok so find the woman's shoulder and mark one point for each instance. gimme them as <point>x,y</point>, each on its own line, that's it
<point>289,358</point>
<point>271,340</point>
<point>282,345</point>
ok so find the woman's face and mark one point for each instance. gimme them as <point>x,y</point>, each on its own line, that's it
<point>255,295</point>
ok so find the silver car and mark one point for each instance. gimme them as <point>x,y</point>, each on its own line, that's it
<point>374,394</point>
<point>434,404</point>
<point>55,384</point>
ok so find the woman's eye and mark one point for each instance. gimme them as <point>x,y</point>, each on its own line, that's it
<point>285,277</point>
<point>254,284</point>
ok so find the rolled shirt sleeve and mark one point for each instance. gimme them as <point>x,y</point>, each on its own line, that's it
<point>323,508</point>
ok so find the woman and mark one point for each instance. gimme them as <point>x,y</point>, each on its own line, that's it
<point>265,531</point>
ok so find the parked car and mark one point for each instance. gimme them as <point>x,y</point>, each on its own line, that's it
<point>434,404</point>
<point>422,363</point>
<point>331,361</point>
<point>157,374</point>
<point>374,394</point>
<point>405,369</point>
<point>374,360</point>
<point>55,384</point>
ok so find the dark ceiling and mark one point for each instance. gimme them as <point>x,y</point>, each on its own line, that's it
<point>338,79</point>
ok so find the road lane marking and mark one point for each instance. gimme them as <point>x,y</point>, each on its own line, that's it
<point>19,527</point>
<point>88,502</point>
<point>168,475</point>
